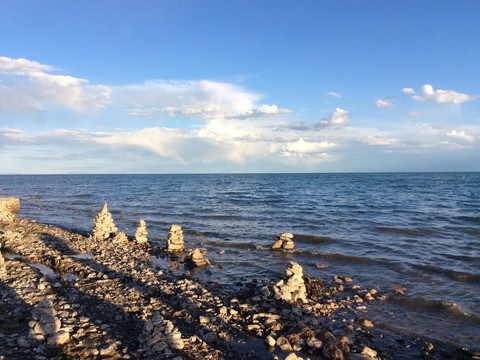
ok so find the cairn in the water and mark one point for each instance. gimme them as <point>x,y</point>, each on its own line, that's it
<point>196,259</point>
<point>141,233</point>
<point>292,287</point>
<point>175,239</point>
<point>103,226</point>
<point>284,241</point>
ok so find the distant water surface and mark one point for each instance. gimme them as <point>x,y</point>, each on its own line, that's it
<point>420,231</point>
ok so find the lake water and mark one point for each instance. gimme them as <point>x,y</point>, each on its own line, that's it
<point>420,231</point>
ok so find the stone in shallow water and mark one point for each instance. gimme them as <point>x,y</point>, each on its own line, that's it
<point>141,232</point>
<point>196,259</point>
<point>175,239</point>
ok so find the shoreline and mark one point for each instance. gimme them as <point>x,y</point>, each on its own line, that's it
<point>112,301</point>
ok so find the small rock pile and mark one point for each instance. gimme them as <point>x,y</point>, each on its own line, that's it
<point>46,326</point>
<point>160,336</point>
<point>103,226</point>
<point>292,287</point>
<point>175,239</point>
<point>8,207</point>
<point>284,241</point>
<point>196,259</point>
<point>141,233</point>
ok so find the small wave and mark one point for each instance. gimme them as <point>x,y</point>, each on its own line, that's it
<point>312,239</point>
<point>442,306</point>
<point>398,230</point>
<point>457,275</point>
<point>470,219</point>
<point>82,195</point>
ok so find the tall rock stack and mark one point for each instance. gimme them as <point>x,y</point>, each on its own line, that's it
<point>196,259</point>
<point>141,233</point>
<point>175,239</point>
<point>103,226</point>
<point>8,207</point>
<point>284,241</point>
<point>292,288</point>
<point>3,271</point>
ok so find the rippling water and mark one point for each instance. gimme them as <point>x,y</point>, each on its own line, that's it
<point>420,231</point>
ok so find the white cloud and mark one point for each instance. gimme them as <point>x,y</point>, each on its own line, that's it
<point>408,91</point>
<point>461,135</point>
<point>380,141</point>
<point>442,96</point>
<point>335,94</point>
<point>386,103</point>
<point>413,114</point>
<point>30,88</point>
<point>337,117</point>
<point>271,109</point>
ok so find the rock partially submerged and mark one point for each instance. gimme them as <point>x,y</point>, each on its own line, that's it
<point>284,241</point>
<point>175,239</point>
<point>196,259</point>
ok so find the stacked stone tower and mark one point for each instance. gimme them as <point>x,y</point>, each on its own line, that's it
<point>104,226</point>
<point>175,239</point>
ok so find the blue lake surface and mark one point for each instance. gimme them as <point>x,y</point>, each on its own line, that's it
<point>420,231</point>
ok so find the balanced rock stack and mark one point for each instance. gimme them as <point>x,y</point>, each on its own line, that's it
<point>141,233</point>
<point>175,239</point>
<point>46,326</point>
<point>160,335</point>
<point>196,259</point>
<point>292,288</point>
<point>8,207</point>
<point>284,241</point>
<point>103,226</point>
<point>3,271</point>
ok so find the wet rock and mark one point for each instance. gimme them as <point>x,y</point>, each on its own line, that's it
<point>196,259</point>
<point>103,225</point>
<point>369,352</point>
<point>175,239</point>
<point>270,341</point>
<point>141,232</point>
<point>284,241</point>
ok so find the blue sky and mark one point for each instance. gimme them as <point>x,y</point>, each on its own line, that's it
<point>247,86</point>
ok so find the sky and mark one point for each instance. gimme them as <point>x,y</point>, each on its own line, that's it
<point>214,86</point>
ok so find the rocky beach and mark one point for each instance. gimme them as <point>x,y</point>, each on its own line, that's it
<point>72,295</point>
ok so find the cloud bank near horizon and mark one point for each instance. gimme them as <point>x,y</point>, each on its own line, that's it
<point>212,124</point>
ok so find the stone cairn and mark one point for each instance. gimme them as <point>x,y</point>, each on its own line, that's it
<point>8,207</point>
<point>292,287</point>
<point>46,326</point>
<point>175,239</point>
<point>141,233</point>
<point>103,226</point>
<point>159,335</point>
<point>196,259</point>
<point>284,241</point>
<point>3,271</point>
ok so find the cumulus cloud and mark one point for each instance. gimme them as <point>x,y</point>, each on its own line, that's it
<point>460,135</point>
<point>384,103</point>
<point>427,93</point>
<point>337,117</point>
<point>408,91</point>
<point>27,86</point>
